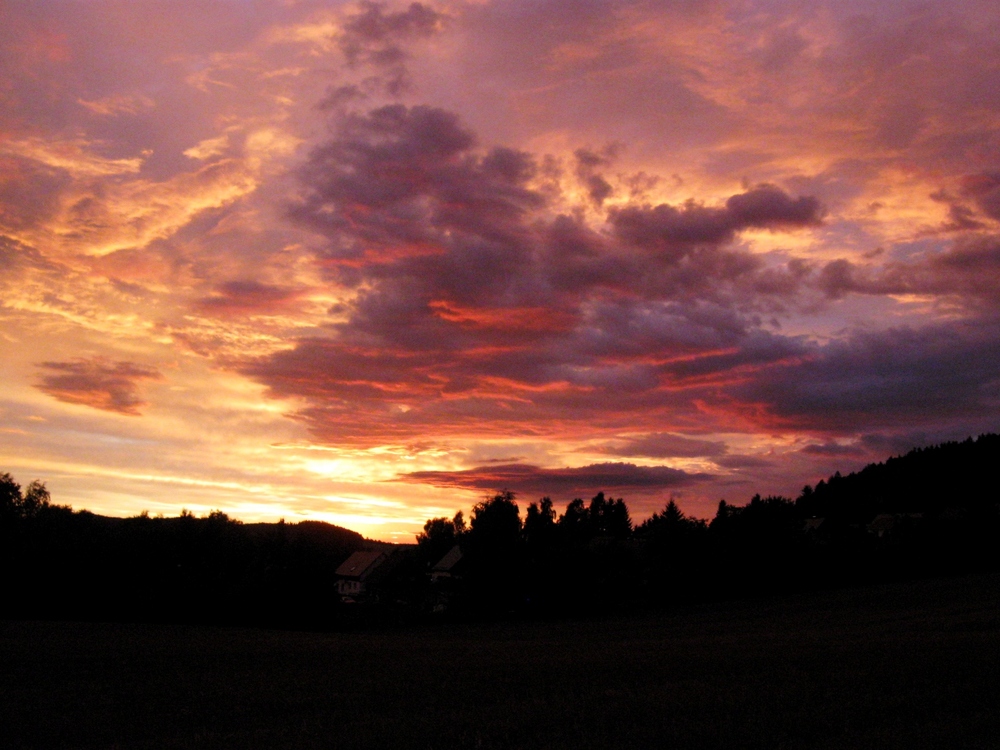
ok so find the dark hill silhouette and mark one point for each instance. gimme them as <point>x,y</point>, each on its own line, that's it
<point>953,478</point>
<point>929,512</point>
<point>75,564</point>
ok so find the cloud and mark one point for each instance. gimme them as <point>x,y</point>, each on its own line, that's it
<point>248,298</point>
<point>891,378</point>
<point>75,157</point>
<point>97,382</point>
<point>984,189</point>
<point>378,39</point>
<point>741,461</point>
<point>118,104</point>
<point>372,35</point>
<point>60,197</point>
<point>672,231</point>
<point>664,445</point>
<point>587,163</point>
<point>968,272</point>
<point>533,480</point>
<point>29,192</point>
<point>833,449</point>
<point>401,180</point>
<point>476,298</point>
<point>884,444</point>
<point>494,273</point>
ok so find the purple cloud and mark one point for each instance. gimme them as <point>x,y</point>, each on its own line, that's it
<point>534,480</point>
<point>895,377</point>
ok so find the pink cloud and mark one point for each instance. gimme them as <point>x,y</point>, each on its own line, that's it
<point>97,382</point>
<point>248,298</point>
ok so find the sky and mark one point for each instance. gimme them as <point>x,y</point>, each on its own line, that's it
<point>369,263</point>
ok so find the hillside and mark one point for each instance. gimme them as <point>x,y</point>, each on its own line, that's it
<point>61,563</point>
<point>957,478</point>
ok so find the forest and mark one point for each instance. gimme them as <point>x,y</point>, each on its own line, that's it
<point>933,511</point>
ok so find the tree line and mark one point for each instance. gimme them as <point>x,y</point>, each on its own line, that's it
<point>932,511</point>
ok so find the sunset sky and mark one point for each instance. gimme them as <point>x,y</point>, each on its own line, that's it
<point>366,263</point>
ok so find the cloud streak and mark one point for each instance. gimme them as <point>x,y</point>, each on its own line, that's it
<point>533,480</point>
<point>98,383</point>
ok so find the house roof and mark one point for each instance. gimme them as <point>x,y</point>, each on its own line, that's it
<point>449,561</point>
<point>360,564</point>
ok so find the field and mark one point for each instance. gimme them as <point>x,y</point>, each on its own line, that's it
<point>914,665</point>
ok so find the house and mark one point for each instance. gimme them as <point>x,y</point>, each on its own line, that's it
<point>813,525</point>
<point>446,580</point>
<point>448,566</point>
<point>356,572</point>
<point>377,572</point>
<point>888,524</point>
<point>882,524</point>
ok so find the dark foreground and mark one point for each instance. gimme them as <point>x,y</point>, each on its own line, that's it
<point>914,665</point>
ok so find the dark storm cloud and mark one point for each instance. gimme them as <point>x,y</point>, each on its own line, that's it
<point>97,382</point>
<point>833,449</point>
<point>886,378</point>
<point>968,271</point>
<point>399,179</point>
<point>373,35</point>
<point>755,349</point>
<point>669,229</point>
<point>534,480</point>
<point>475,301</point>
<point>453,248</point>
<point>379,39</point>
<point>984,190</point>
<point>402,192</point>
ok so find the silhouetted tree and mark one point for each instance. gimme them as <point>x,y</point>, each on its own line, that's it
<point>609,517</point>
<point>492,545</point>
<point>495,526</point>
<point>10,498</point>
<point>675,551</point>
<point>36,498</point>
<point>668,522</point>
<point>540,524</point>
<point>439,536</point>
<point>933,517</point>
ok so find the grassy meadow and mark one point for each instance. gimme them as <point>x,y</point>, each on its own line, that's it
<point>906,665</point>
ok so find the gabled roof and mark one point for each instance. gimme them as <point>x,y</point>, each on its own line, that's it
<point>360,564</point>
<point>449,561</point>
